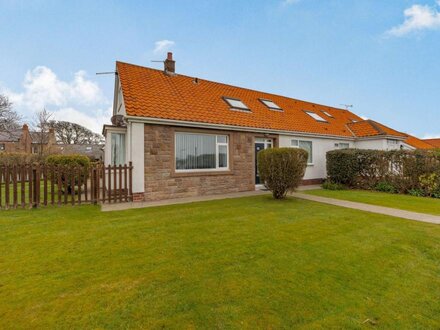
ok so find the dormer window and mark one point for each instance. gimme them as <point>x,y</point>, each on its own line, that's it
<point>327,114</point>
<point>316,116</point>
<point>271,105</point>
<point>236,104</point>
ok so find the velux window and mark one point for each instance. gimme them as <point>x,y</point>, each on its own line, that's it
<point>236,104</point>
<point>306,145</point>
<point>198,152</point>
<point>271,105</point>
<point>327,114</point>
<point>316,116</point>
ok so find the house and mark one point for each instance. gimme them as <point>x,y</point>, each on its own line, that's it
<point>435,143</point>
<point>16,140</point>
<point>188,136</point>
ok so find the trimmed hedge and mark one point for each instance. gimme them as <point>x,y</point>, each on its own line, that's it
<point>69,160</point>
<point>281,169</point>
<point>399,171</point>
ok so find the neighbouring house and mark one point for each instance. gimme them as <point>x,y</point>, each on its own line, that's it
<point>435,143</point>
<point>16,140</point>
<point>25,141</point>
<point>187,136</point>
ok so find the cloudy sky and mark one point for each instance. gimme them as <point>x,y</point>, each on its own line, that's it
<point>381,56</point>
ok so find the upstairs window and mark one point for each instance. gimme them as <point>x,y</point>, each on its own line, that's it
<point>316,116</point>
<point>236,104</point>
<point>327,114</point>
<point>271,105</point>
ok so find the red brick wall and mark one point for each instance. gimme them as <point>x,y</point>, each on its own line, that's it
<point>161,181</point>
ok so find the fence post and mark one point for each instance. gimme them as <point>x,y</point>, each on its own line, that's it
<point>34,181</point>
<point>130,179</point>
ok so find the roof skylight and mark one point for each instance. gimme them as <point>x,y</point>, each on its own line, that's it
<point>327,114</point>
<point>236,104</point>
<point>270,104</point>
<point>316,116</point>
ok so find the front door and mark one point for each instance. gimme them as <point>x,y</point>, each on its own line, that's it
<point>260,144</point>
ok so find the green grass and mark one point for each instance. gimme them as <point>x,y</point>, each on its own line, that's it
<point>403,202</point>
<point>239,263</point>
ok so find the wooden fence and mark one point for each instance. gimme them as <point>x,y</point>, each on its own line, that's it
<point>35,185</point>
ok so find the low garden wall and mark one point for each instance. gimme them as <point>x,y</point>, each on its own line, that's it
<point>398,171</point>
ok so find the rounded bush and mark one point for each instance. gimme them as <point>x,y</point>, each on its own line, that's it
<point>69,160</point>
<point>281,169</point>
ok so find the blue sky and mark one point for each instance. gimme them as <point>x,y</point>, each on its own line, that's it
<point>380,56</point>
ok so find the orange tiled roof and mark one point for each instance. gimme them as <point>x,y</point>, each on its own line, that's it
<point>367,128</point>
<point>151,93</point>
<point>433,142</point>
<point>417,143</point>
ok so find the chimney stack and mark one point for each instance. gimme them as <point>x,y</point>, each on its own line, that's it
<point>170,64</point>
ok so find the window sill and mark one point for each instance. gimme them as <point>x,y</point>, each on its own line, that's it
<point>201,173</point>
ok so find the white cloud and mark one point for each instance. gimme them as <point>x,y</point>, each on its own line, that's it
<point>417,18</point>
<point>163,45</point>
<point>43,89</point>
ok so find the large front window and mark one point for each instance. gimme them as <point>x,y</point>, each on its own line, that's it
<point>201,152</point>
<point>118,149</point>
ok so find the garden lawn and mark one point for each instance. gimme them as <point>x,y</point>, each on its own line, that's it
<point>238,263</point>
<point>403,202</point>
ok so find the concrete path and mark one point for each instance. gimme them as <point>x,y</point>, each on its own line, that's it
<point>372,208</point>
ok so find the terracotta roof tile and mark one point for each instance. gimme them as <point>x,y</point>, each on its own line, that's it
<point>151,93</point>
<point>433,142</point>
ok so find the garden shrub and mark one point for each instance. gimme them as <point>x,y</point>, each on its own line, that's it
<point>430,184</point>
<point>342,166</point>
<point>384,186</point>
<point>401,171</point>
<point>329,185</point>
<point>69,160</point>
<point>281,169</point>
<point>74,167</point>
<point>18,158</point>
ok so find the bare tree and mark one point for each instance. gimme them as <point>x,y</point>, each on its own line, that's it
<point>9,119</point>
<point>72,133</point>
<point>41,125</point>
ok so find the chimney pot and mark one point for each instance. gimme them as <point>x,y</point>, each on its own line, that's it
<point>25,127</point>
<point>170,56</point>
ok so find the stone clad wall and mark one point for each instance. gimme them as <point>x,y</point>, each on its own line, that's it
<point>161,181</point>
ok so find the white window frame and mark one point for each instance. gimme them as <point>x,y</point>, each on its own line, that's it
<point>244,107</point>
<point>315,116</point>
<point>344,143</point>
<point>124,148</point>
<point>327,114</point>
<point>268,103</point>
<point>217,158</point>
<point>298,141</point>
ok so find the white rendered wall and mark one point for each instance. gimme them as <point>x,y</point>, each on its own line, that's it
<point>136,137</point>
<point>320,147</point>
